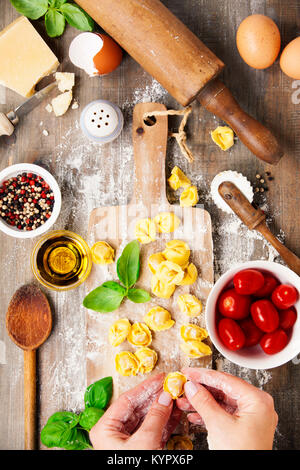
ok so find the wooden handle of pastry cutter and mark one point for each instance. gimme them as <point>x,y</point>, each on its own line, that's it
<point>255,219</point>
<point>217,99</point>
<point>6,126</point>
<point>29,399</point>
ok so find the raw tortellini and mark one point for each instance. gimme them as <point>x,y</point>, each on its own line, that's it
<point>158,319</point>
<point>166,222</point>
<point>189,304</point>
<point>154,261</point>
<point>139,335</point>
<point>147,359</point>
<point>190,331</point>
<point>179,443</point>
<point>178,179</point>
<point>169,273</point>
<point>223,136</point>
<point>119,331</point>
<point>145,230</point>
<point>190,275</point>
<point>126,363</point>
<point>161,289</point>
<point>174,384</point>
<point>178,252</point>
<point>102,253</point>
<point>194,348</point>
<point>189,197</point>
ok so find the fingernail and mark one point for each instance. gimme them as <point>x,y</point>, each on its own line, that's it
<point>190,389</point>
<point>165,399</point>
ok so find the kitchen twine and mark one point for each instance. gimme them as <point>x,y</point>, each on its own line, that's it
<point>180,136</point>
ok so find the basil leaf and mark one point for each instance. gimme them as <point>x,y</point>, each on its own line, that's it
<point>105,298</point>
<point>32,9</point>
<point>52,433</point>
<point>89,417</point>
<point>98,394</point>
<point>57,3</point>
<point>128,265</point>
<point>74,439</point>
<point>71,419</point>
<point>139,296</point>
<point>55,23</point>
<point>77,17</point>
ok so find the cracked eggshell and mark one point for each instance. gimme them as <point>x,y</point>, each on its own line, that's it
<point>97,54</point>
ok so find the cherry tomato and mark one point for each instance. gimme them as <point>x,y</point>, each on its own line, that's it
<point>252,333</point>
<point>274,342</point>
<point>284,296</point>
<point>265,315</point>
<point>287,318</point>
<point>231,334</point>
<point>233,305</point>
<point>270,284</point>
<point>248,281</point>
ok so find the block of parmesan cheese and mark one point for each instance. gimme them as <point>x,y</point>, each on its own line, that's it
<point>25,58</point>
<point>61,103</point>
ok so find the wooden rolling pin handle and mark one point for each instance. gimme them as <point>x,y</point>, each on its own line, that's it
<point>217,99</point>
<point>6,127</point>
<point>29,399</point>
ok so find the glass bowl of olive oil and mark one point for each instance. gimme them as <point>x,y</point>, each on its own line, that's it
<point>61,260</point>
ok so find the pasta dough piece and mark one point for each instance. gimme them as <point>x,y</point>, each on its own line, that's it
<point>145,230</point>
<point>174,383</point>
<point>190,275</point>
<point>195,348</point>
<point>161,289</point>
<point>154,261</point>
<point>126,363</point>
<point>147,359</point>
<point>223,136</point>
<point>189,304</point>
<point>169,273</point>
<point>191,331</point>
<point>139,335</point>
<point>119,331</point>
<point>178,252</point>
<point>159,319</point>
<point>189,197</point>
<point>178,179</point>
<point>179,443</point>
<point>166,222</point>
<point>102,253</point>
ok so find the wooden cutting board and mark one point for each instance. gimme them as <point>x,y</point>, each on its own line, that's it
<point>116,226</point>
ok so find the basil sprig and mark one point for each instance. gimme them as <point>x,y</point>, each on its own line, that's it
<point>109,295</point>
<point>69,430</point>
<point>56,12</point>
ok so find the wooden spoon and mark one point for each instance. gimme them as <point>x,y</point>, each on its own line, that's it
<point>29,323</point>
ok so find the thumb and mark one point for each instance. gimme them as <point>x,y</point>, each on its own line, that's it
<point>205,404</point>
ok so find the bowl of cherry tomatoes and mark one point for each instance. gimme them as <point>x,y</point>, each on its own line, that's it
<point>253,314</point>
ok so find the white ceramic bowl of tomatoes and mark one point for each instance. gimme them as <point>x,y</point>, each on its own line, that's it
<point>253,314</point>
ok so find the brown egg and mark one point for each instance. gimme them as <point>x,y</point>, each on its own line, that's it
<point>290,59</point>
<point>258,41</point>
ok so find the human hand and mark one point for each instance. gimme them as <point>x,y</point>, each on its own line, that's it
<point>237,415</point>
<point>141,419</point>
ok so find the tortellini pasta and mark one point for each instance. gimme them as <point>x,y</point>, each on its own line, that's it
<point>189,304</point>
<point>158,319</point>
<point>145,230</point>
<point>139,335</point>
<point>126,363</point>
<point>223,136</point>
<point>102,253</point>
<point>178,179</point>
<point>161,289</point>
<point>119,331</point>
<point>178,252</point>
<point>190,275</point>
<point>174,384</point>
<point>189,197</point>
<point>194,348</point>
<point>190,331</point>
<point>179,443</point>
<point>147,359</point>
<point>154,261</point>
<point>166,222</point>
<point>169,273</point>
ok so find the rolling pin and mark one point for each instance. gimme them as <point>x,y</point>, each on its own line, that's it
<point>176,58</point>
<point>255,219</point>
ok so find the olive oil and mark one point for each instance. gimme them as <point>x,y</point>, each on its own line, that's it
<point>61,260</point>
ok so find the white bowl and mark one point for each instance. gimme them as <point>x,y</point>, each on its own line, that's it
<point>254,357</point>
<point>15,170</point>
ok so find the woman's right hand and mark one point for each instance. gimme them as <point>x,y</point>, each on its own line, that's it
<point>241,417</point>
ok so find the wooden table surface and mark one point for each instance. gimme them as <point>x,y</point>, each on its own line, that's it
<point>91,176</point>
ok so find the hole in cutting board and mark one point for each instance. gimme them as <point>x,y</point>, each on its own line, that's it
<point>150,120</point>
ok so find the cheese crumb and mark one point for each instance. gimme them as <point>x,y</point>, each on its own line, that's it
<point>65,80</point>
<point>75,105</point>
<point>45,132</point>
<point>61,103</point>
<point>49,108</point>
